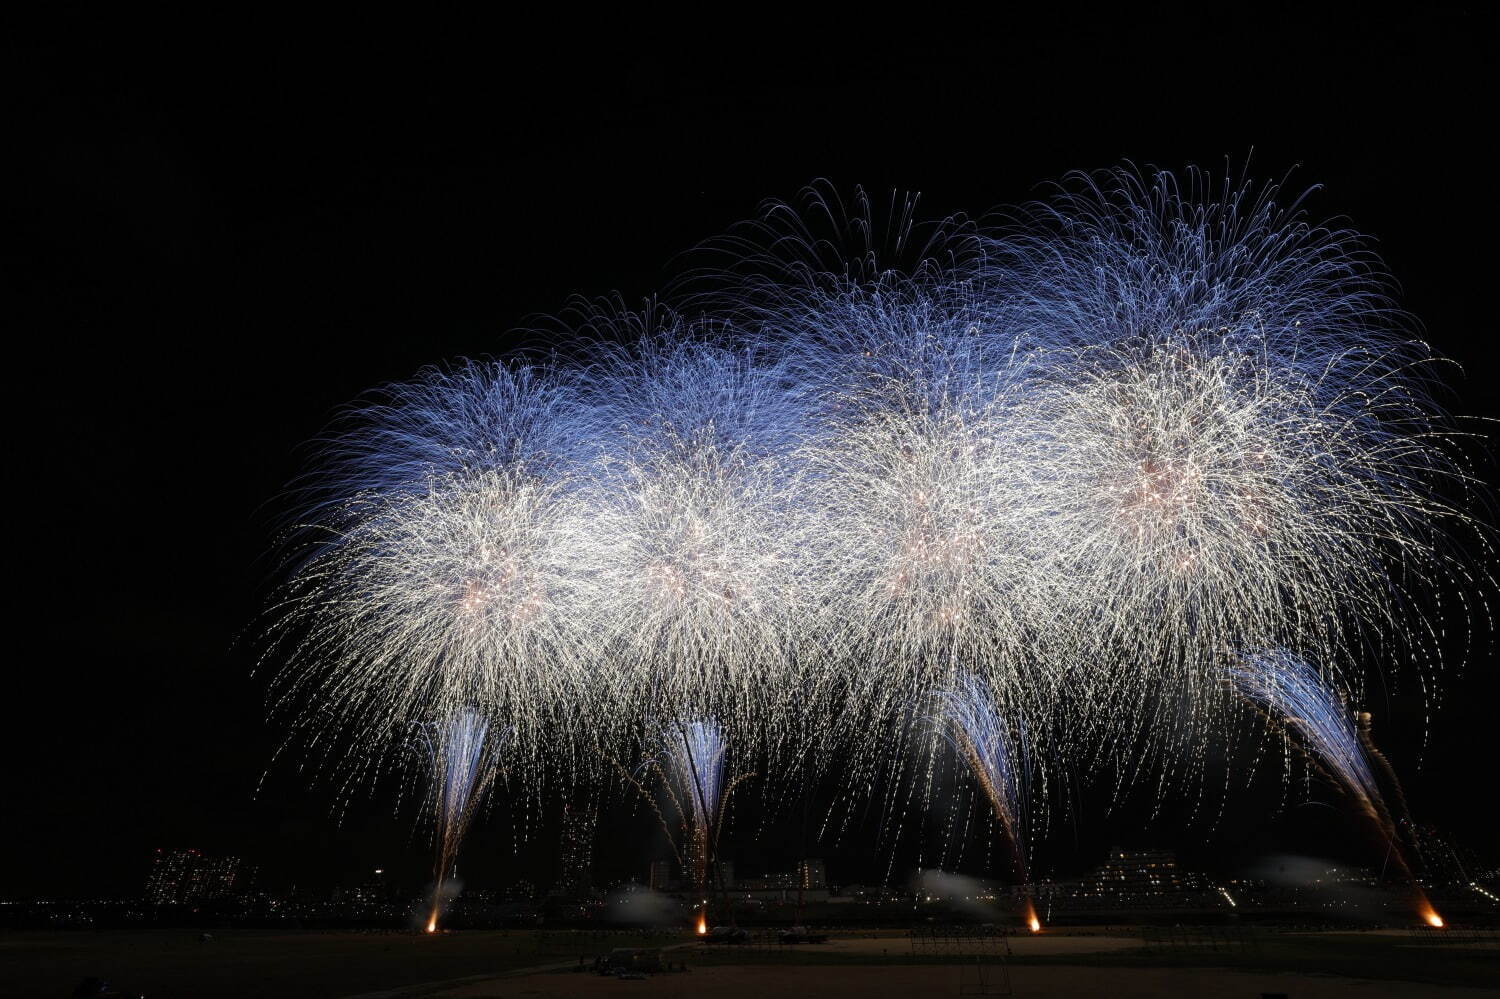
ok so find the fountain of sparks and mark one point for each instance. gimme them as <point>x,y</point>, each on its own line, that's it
<point>690,757</point>
<point>463,766</point>
<point>1292,694</point>
<point>995,757</point>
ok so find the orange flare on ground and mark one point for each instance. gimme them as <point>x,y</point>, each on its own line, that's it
<point>702,923</point>
<point>1031,918</point>
<point>432,922</point>
<point>1425,910</point>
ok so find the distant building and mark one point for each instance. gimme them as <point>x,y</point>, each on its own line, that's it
<point>180,877</point>
<point>809,880</point>
<point>220,877</point>
<point>777,882</point>
<point>670,876</point>
<point>1133,879</point>
<point>168,876</point>
<point>520,891</point>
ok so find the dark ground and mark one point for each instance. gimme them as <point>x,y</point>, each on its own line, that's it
<point>166,964</point>
<point>169,965</point>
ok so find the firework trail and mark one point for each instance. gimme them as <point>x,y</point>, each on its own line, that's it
<point>1400,816</point>
<point>1395,797</point>
<point>997,759</point>
<point>1290,690</point>
<point>1292,694</point>
<point>463,760</point>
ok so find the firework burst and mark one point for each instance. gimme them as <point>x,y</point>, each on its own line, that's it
<point>696,529</point>
<point>460,591</point>
<point>1075,465</point>
<point>1243,450</point>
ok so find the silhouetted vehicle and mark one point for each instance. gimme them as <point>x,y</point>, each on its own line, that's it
<point>728,934</point>
<point>627,961</point>
<point>801,934</point>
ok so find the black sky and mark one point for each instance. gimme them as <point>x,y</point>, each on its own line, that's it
<point>224,228</point>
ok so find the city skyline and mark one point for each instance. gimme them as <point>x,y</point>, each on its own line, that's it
<point>183,876</point>
<point>186,887</point>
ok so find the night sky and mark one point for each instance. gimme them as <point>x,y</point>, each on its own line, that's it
<point>223,230</point>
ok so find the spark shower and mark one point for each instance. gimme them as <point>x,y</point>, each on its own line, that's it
<point>1082,463</point>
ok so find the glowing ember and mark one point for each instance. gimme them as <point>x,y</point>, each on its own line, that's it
<point>1033,921</point>
<point>1433,919</point>
<point>432,922</point>
<point>702,923</point>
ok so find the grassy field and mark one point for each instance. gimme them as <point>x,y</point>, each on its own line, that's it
<point>169,964</point>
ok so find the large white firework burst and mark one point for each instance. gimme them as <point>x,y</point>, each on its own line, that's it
<point>460,592</point>
<point>1084,463</point>
<point>1245,451</point>
<point>696,529</point>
